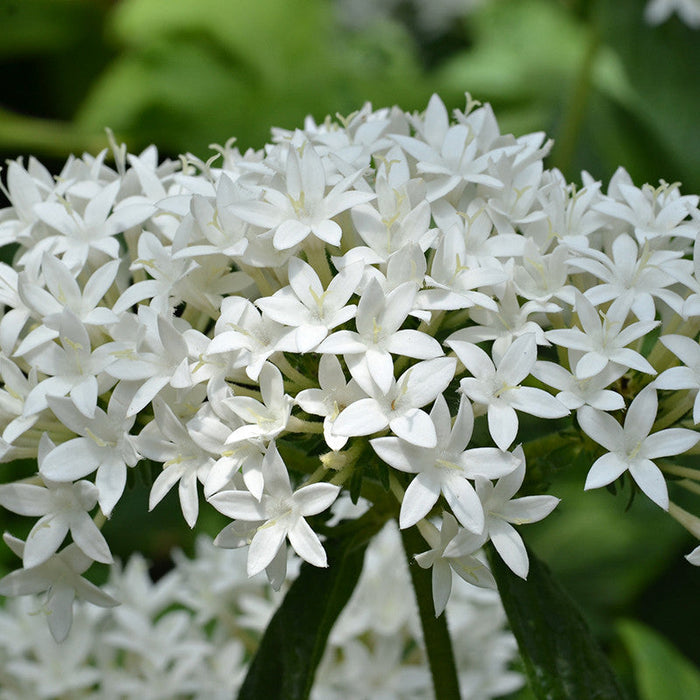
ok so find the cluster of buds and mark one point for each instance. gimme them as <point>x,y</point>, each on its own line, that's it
<point>378,300</point>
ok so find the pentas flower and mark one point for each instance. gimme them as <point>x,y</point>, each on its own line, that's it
<point>631,448</point>
<point>306,306</point>
<point>445,468</point>
<point>378,320</point>
<point>575,392</point>
<point>400,407</point>
<point>73,368</point>
<point>281,511</point>
<point>303,208</point>
<point>333,396</point>
<point>62,508</point>
<point>446,556</point>
<point>503,511</point>
<point>167,440</point>
<point>104,445</point>
<point>604,338</point>
<point>59,576</point>
<point>497,386</point>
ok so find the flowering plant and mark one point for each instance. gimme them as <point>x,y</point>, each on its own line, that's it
<point>402,308</point>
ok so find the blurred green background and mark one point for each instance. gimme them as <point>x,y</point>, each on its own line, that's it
<point>184,74</point>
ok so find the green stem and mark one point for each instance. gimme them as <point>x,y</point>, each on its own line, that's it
<point>680,407</point>
<point>435,633</point>
<point>22,133</point>
<point>677,470</point>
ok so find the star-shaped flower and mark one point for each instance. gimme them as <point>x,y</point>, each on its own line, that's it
<point>631,448</point>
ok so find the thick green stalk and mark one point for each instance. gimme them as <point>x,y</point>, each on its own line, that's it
<point>438,644</point>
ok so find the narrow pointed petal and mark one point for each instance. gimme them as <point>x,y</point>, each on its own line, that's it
<point>442,585</point>
<point>421,495</point>
<point>465,503</point>
<point>641,415</point>
<point>503,424</point>
<point>605,470</point>
<point>362,417</point>
<point>415,427</point>
<point>72,460</point>
<point>315,498</point>
<point>43,541</point>
<point>306,544</point>
<point>650,479</point>
<point>264,546</point>
<point>510,546</point>
<point>528,509</point>
<point>673,441</point>
<point>89,538</point>
<point>601,427</point>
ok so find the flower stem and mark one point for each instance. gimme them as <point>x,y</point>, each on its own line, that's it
<point>438,644</point>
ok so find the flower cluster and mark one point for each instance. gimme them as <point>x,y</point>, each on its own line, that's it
<point>191,634</point>
<point>393,299</point>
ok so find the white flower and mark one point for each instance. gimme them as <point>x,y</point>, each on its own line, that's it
<point>73,369</point>
<point>166,440</point>
<point>264,420</point>
<point>310,309</point>
<point>251,337</point>
<point>604,338</point>
<point>303,208</point>
<point>502,509</point>
<point>161,359</point>
<point>498,386</point>
<point>635,276</point>
<point>334,395</point>
<point>63,508</point>
<point>105,445</point>
<point>507,322</point>
<point>60,577</point>
<point>445,468</point>
<point>688,377</point>
<point>379,317</point>
<point>575,392</point>
<point>399,408</point>
<point>631,448</point>
<point>453,155</point>
<point>92,235</point>
<point>453,550</point>
<point>282,513</point>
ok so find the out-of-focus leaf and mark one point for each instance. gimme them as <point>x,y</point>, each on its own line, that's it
<point>662,65</point>
<point>270,34</point>
<point>192,74</point>
<point>603,555</point>
<point>660,670</point>
<point>562,658</point>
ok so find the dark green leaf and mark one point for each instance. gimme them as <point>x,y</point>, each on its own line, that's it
<point>295,639</point>
<point>562,658</point>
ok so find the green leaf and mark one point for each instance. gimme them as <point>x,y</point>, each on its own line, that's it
<point>562,658</point>
<point>294,642</point>
<point>660,670</point>
<point>661,66</point>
